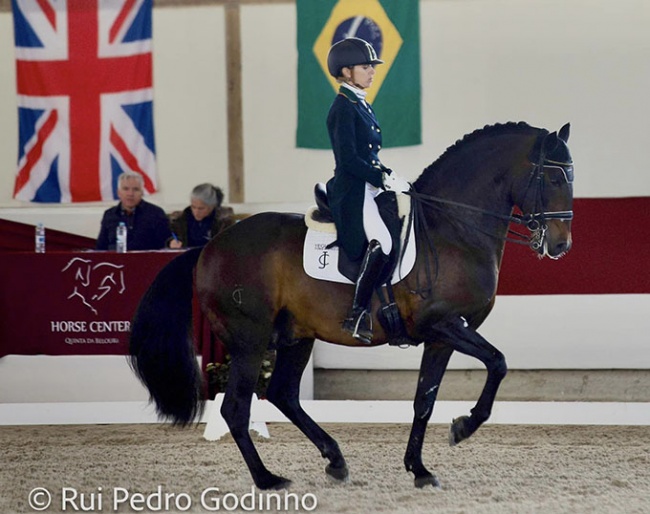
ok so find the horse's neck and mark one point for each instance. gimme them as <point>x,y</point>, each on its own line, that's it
<point>481,178</point>
<point>476,178</point>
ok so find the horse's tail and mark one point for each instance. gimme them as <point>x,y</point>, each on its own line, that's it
<point>161,347</point>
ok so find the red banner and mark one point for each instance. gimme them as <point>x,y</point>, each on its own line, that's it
<point>610,254</point>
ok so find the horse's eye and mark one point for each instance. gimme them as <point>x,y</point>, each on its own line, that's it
<point>555,176</point>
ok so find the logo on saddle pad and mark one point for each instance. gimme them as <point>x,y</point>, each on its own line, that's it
<point>321,262</point>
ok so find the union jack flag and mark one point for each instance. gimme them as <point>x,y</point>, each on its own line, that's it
<point>85,98</point>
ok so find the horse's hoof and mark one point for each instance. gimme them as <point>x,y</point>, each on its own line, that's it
<point>458,431</point>
<point>338,474</point>
<point>428,479</point>
<point>274,482</point>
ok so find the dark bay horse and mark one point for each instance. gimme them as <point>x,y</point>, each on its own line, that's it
<point>255,294</point>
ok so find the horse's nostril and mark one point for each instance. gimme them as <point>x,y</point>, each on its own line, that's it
<point>561,248</point>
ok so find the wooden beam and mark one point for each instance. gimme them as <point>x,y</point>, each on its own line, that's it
<point>234,104</point>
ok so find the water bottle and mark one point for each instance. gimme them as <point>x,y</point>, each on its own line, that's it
<point>120,245</point>
<point>39,239</point>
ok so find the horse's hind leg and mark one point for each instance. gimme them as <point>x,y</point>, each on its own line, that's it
<point>284,391</point>
<point>434,363</point>
<point>236,407</point>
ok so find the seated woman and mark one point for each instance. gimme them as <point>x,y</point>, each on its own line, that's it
<point>203,219</point>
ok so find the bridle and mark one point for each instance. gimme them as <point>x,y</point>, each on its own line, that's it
<point>535,221</point>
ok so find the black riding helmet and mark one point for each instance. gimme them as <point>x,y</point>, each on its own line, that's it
<point>350,52</point>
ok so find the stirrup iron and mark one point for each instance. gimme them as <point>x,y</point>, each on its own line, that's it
<point>359,325</point>
<point>363,328</point>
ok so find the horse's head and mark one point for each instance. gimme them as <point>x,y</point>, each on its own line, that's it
<point>547,204</point>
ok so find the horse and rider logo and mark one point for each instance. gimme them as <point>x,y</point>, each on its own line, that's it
<point>94,282</point>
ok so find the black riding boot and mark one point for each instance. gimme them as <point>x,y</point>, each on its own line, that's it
<point>359,322</point>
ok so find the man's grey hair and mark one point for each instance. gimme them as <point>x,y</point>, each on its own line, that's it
<point>131,175</point>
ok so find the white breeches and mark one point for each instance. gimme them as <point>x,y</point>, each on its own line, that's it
<point>373,225</point>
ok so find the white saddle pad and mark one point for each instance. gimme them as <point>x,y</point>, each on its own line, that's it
<point>321,262</point>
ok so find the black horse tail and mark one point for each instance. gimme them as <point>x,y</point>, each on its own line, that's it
<point>161,347</point>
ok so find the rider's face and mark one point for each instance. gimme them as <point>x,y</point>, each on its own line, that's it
<point>360,75</point>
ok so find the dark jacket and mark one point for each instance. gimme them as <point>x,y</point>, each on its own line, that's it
<point>356,140</point>
<point>220,219</point>
<point>147,227</point>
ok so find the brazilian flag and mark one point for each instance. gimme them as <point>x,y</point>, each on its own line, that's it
<point>393,29</point>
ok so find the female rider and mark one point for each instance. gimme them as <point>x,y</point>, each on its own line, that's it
<point>358,176</point>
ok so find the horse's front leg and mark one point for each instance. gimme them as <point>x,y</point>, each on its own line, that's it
<point>466,340</point>
<point>434,363</point>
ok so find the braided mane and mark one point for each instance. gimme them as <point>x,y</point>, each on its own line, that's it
<point>488,130</point>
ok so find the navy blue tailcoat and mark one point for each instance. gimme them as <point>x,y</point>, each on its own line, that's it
<point>356,140</point>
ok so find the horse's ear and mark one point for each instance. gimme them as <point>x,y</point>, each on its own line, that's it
<point>550,143</point>
<point>564,133</point>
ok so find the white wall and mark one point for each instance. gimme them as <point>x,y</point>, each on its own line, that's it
<point>190,100</point>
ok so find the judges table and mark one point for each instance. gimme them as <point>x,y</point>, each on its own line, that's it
<point>72,303</point>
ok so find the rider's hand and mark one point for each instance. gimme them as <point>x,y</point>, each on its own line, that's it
<point>393,182</point>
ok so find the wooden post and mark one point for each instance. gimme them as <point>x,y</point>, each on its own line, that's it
<point>235,115</point>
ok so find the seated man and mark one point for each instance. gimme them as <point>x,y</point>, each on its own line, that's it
<point>147,224</point>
